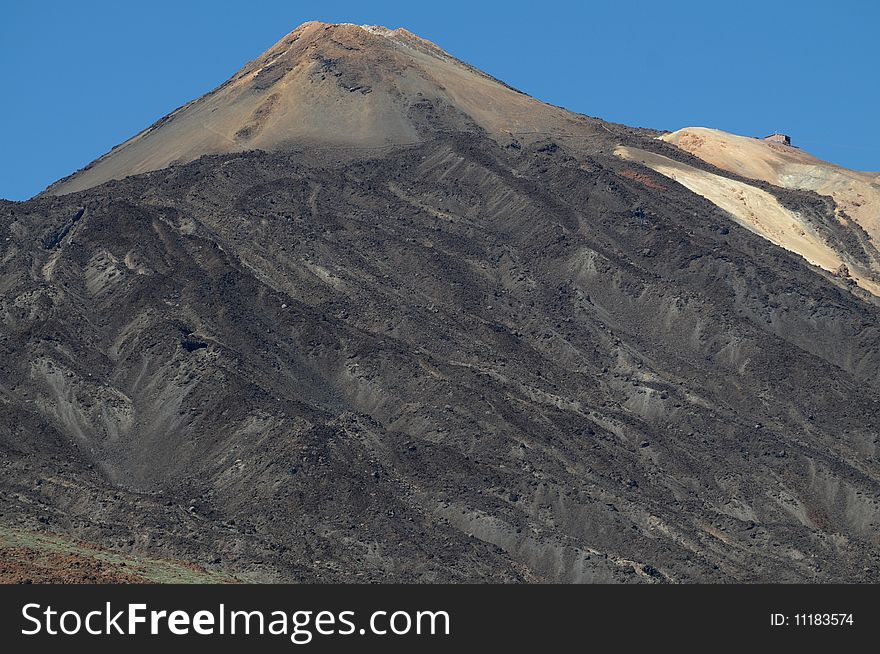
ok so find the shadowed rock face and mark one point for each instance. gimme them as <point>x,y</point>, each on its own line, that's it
<point>468,358</point>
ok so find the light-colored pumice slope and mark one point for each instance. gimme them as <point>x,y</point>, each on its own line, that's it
<point>757,210</point>
<point>326,85</point>
<point>857,194</point>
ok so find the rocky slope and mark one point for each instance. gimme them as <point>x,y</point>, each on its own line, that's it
<point>818,230</point>
<point>857,194</point>
<point>844,241</point>
<point>468,356</point>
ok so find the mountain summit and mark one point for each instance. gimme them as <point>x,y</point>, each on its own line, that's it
<point>326,85</point>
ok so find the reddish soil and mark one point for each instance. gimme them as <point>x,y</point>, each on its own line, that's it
<point>22,565</point>
<point>642,179</point>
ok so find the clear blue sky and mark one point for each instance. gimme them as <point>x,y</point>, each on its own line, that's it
<point>81,77</point>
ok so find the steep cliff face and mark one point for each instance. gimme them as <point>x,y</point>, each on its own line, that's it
<point>471,356</point>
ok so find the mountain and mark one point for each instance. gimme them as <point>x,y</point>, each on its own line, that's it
<point>334,86</point>
<point>413,325</point>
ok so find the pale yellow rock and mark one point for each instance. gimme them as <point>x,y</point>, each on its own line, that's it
<point>753,208</point>
<point>856,193</point>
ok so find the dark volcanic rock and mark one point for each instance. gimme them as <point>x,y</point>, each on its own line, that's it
<point>451,362</point>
